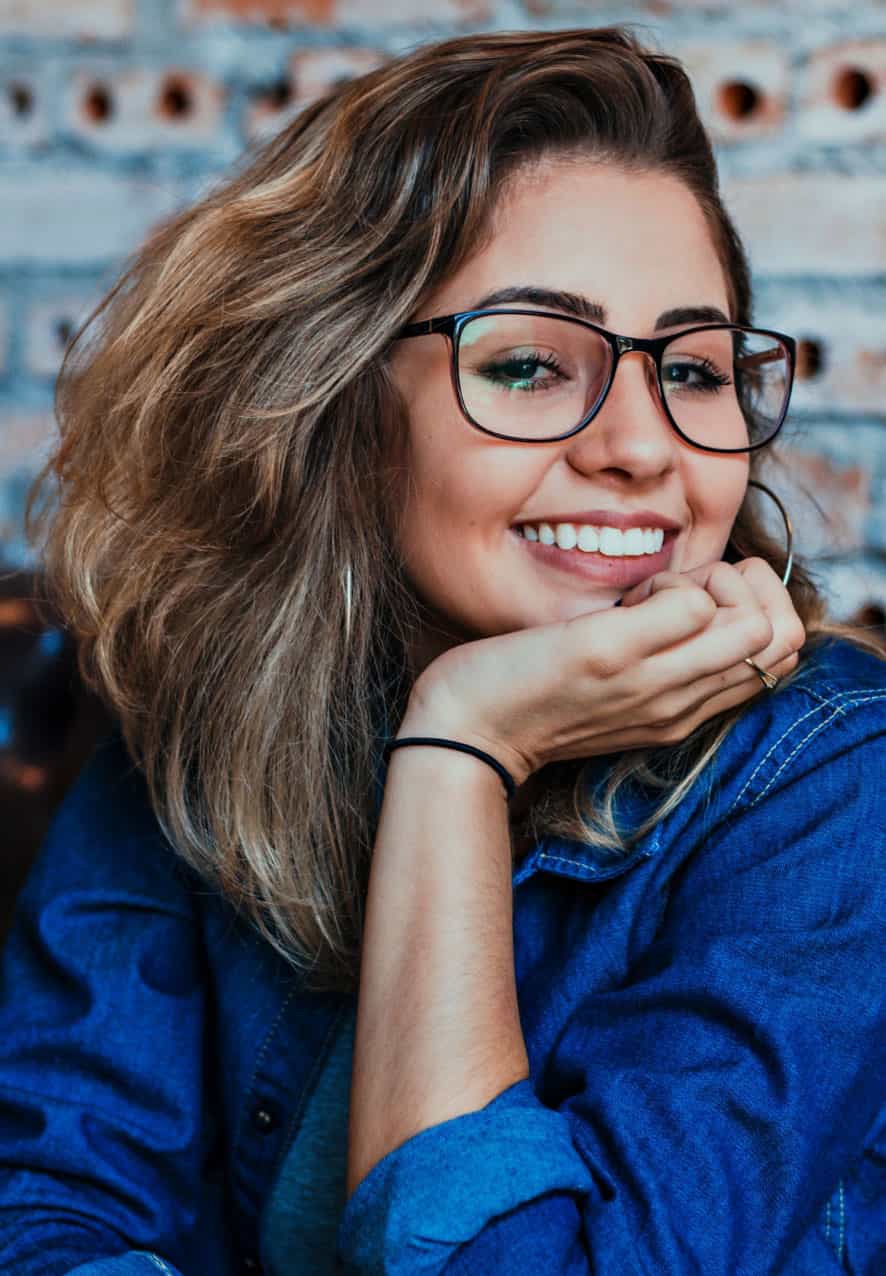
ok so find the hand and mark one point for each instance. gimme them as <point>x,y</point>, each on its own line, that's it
<point>643,674</point>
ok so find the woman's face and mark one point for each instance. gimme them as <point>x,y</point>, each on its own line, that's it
<point>635,247</point>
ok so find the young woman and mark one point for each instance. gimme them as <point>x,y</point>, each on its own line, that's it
<point>487,874</point>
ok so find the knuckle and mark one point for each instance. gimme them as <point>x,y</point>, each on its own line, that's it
<point>603,665</point>
<point>789,664</point>
<point>668,710</point>
<point>797,635</point>
<point>721,572</point>
<point>759,630</point>
<point>699,604</point>
<point>675,732</point>
<point>757,566</point>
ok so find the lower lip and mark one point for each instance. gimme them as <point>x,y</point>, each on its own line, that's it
<point>600,569</point>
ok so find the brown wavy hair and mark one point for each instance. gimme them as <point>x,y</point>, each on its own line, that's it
<point>230,439</point>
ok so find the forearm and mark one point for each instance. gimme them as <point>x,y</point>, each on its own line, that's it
<point>438,1029</point>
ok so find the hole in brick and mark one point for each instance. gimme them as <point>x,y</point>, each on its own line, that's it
<point>98,105</point>
<point>810,358</point>
<point>279,95</point>
<point>738,99</point>
<point>852,88</point>
<point>21,99</point>
<point>64,330</point>
<point>870,614</point>
<point>176,100</point>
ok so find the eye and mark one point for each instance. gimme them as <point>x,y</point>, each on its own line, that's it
<point>694,374</point>
<point>519,370</point>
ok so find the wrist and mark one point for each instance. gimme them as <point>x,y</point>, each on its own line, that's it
<point>423,720</point>
<point>443,767</point>
<point>457,746</point>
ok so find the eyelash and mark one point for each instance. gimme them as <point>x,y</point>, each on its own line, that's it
<point>713,372</point>
<point>543,361</point>
<point>717,379</point>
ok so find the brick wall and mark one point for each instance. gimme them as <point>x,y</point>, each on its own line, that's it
<point>115,112</point>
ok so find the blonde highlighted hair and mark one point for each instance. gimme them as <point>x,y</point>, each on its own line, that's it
<point>230,441</point>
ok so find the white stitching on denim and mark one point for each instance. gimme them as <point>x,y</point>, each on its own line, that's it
<point>842,1222</point>
<point>859,696</point>
<point>837,711</point>
<point>816,708</point>
<point>807,737</point>
<point>827,1221</point>
<point>563,859</point>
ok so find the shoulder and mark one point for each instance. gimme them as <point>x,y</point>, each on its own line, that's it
<point>814,743</point>
<point>105,837</point>
<point>833,705</point>
<point>789,806</point>
<point>834,668</point>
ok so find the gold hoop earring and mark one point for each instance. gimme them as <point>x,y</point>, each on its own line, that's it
<point>789,530</point>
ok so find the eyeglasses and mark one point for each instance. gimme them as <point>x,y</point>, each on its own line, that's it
<point>530,376</point>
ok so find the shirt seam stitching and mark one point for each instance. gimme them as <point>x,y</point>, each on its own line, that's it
<point>865,695</point>
<point>263,1050</point>
<point>789,759</point>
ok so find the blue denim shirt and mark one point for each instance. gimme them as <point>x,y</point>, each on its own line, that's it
<point>704,1020</point>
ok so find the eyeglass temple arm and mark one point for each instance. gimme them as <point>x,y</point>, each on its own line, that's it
<point>425,327</point>
<point>755,360</point>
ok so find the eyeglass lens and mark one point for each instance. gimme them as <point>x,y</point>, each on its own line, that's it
<point>537,377</point>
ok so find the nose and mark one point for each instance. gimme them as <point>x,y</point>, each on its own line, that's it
<point>631,435</point>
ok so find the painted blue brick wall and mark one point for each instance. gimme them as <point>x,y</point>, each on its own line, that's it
<point>115,112</point>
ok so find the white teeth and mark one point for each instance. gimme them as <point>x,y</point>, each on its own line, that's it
<point>632,541</point>
<point>611,541</point>
<point>566,536</point>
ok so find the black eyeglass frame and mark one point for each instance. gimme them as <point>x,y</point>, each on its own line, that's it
<point>451,326</point>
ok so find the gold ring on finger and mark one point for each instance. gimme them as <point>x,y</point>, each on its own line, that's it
<point>769,680</point>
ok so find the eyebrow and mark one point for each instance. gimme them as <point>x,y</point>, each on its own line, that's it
<point>583,308</point>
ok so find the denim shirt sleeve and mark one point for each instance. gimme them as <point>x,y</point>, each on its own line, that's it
<point>136,1262</point>
<point>104,1138</point>
<point>714,1097</point>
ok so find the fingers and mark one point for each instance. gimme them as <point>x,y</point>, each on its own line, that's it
<point>685,638</point>
<point>675,608</point>
<point>788,632</point>
<point>738,627</point>
<point>655,584</point>
<point>751,599</point>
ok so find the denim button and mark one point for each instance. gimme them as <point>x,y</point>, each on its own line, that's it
<point>251,1264</point>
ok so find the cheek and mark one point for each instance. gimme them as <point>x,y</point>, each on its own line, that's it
<point>463,494</point>
<point>716,489</point>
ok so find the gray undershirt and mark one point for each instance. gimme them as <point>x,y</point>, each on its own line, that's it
<point>302,1216</point>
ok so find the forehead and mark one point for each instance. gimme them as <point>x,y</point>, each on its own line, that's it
<point>636,242</point>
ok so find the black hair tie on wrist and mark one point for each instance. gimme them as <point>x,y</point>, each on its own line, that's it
<point>506,778</point>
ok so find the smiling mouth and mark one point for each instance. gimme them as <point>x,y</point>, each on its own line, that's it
<point>609,542</point>
<point>601,566</point>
